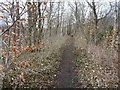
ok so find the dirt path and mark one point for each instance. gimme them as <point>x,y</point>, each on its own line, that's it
<point>66,77</point>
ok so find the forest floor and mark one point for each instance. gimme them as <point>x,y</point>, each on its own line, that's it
<point>77,69</point>
<point>66,77</point>
<point>65,67</point>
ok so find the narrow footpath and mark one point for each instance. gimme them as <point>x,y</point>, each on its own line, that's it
<point>66,78</point>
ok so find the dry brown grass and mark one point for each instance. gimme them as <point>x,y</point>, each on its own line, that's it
<point>99,68</point>
<point>41,66</point>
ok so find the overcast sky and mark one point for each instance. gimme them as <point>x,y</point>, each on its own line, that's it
<point>63,0</point>
<point>1,21</point>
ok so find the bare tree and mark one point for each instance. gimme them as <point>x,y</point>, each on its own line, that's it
<point>94,9</point>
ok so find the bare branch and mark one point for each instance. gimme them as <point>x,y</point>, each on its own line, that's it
<point>106,13</point>
<point>89,4</point>
<point>22,13</point>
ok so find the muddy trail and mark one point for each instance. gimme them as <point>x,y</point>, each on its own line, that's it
<point>66,77</point>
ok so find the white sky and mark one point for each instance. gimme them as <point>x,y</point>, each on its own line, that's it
<point>63,0</point>
<point>1,21</point>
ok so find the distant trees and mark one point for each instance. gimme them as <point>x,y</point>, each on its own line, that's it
<point>98,14</point>
<point>89,18</point>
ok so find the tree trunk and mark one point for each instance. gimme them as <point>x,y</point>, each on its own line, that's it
<point>30,24</point>
<point>114,31</point>
<point>119,42</point>
<point>49,20</point>
<point>1,62</point>
<point>34,25</point>
<point>39,23</point>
